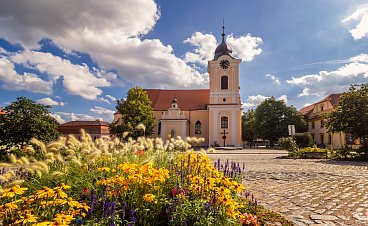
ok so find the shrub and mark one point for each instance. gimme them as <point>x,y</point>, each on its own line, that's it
<point>300,153</point>
<point>303,140</point>
<point>287,143</point>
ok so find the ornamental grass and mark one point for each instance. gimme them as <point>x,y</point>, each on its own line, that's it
<point>109,182</point>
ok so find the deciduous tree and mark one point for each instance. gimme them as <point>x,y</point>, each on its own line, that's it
<point>248,126</point>
<point>135,110</point>
<point>24,120</point>
<point>272,118</point>
<point>351,114</point>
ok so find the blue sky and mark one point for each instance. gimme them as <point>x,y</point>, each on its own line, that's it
<point>80,57</point>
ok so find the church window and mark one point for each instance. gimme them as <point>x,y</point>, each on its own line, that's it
<point>224,122</point>
<point>172,133</point>
<point>198,128</point>
<point>224,100</point>
<point>224,82</point>
<point>159,128</point>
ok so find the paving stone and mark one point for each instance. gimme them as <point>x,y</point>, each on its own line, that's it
<point>320,211</point>
<point>307,187</point>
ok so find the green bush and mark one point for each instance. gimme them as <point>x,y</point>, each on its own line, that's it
<point>300,153</point>
<point>303,140</point>
<point>287,143</point>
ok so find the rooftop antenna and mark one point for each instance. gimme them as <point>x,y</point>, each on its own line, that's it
<point>223,30</point>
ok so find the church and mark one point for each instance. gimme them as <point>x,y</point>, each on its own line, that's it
<point>213,114</point>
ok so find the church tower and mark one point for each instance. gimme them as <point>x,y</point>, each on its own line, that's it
<point>225,107</point>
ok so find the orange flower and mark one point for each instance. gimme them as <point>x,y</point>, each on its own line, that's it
<point>139,152</point>
<point>149,198</point>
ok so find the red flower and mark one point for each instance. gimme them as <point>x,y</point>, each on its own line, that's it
<point>139,152</point>
<point>86,191</point>
<point>177,191</point>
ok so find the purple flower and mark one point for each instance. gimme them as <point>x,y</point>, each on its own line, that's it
<point>133,216</point>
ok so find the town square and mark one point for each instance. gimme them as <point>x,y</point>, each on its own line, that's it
<point>154,112</point>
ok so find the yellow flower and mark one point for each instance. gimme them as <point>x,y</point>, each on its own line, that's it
<point>45,223</point>
<point>11,192</point>
<point>60,193</point>
<point>11,206</point>
<point>29,218</point>
<point>63,186</point>
<point>149,198</point>
<point>103,169</point>
<point>62,218</point>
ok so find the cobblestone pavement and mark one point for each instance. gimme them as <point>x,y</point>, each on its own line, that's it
<point>308,192</point>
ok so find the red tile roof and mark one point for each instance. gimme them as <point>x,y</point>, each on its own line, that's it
<point>307,110</point>
<point>196,99</point>
<point>2,112</point>
<point>85,123</point>
<point>333,98</point>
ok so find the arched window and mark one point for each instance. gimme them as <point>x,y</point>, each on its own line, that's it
<point>224,82</point>
<point>224,122</point>
<point>198,128</point>
<point>172,133</point>
<point>159,128</point>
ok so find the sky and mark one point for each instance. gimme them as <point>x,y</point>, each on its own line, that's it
<point>79,57</point>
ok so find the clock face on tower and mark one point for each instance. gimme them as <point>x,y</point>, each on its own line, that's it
<point>224,64</point>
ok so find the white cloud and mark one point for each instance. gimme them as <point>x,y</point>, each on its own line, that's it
<point>205,47</point>
<point>245,47</point>
<point>336,81</point>
<point>27,81</point>
<point>106,113</point>
<point>111,98</point>
<point>274,79</point>
<point>254,100</point>
<point>62,20</point>
<point>102,111</point>
<point>306,105</point>
<point>69,116</point>
<point>110,31</point>
<point>76,79</point>
<point>58,118</point>
<point>360,17</point>
<point>49,101</point>
<point>101,99</point>
<point>283,98</point>
<point>2,51</point>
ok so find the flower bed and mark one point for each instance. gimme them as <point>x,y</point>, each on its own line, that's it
<point>143,182</point>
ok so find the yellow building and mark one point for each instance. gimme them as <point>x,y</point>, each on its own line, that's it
<point>213,114</point>
<point>314,114</point>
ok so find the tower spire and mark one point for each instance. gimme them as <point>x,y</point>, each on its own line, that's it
<point>223,30</point>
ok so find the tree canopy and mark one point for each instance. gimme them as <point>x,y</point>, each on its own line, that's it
<point>248,126</point>
<point>25,120</point>
<point>351,113</point>
<point>135,111</point>
<point>271,120</point>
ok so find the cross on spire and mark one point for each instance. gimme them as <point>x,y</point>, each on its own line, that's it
<point>223,31</point>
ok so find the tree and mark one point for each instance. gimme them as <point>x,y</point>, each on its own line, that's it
<point>25,120</point>
<point>272,118</point>
<point>351,114</point>
<point>135,111</point>
<point>248,126</point>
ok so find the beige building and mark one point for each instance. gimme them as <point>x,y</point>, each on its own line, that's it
<point>314,114</point>
<point>213,114</point>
